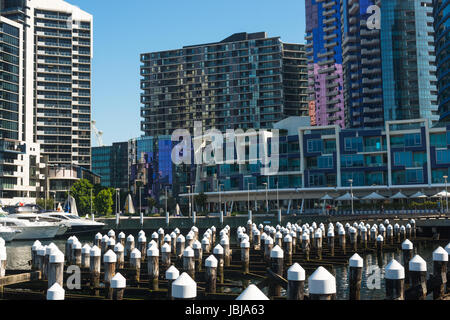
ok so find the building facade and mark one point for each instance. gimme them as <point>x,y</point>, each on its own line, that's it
<point>57,47</point>
<point>324,53</point>
<point>442,36</point>
<point>248,80</point>
<point>111,163</point>
<point>408,60</point>
<point>363,91</point>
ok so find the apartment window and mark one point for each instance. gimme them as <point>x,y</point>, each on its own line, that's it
<point>414,176</point>
<point>442,156</point>
<point>403,159</point>
<point>315,145</point>
<point>412,140</point>
<point>325,162</point>
<point>353,144</point>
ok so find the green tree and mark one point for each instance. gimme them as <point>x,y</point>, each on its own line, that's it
<point>151,202</point>
<point>103,202</point>
<point>47,205</point>
<point>81,191</point>
<point>201,200</point>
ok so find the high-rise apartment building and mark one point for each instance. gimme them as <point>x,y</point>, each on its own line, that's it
<point>408,60</point>
<point>363,91</point>
<point>19,156</point>
<point>442,37</point>
<point>57,46</point>
<point>246,81</point>
<point>324,53</point>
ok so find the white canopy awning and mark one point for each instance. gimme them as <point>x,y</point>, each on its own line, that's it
<point>374,196</point>
<point>419,195</point>
<point>442,194</point>
<point>347,197</point>
<point>327,197</point>
<point>399,195</point>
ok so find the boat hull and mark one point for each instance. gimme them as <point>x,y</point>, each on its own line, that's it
<point>8,236</point>
<point>36,232</point>
<point>82,229</point>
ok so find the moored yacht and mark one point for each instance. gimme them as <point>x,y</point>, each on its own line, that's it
<point>28,230</point>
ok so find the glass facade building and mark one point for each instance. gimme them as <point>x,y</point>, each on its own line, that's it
<point>408,60</point>
<point>324,53</point>
<point>248,80</point>
<point>442,36</point>
<point>363,92</point>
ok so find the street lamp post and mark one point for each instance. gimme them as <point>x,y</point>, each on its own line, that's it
<point>140,199</point>
<point>248,194</point>
<point>351,191</point>
<point>166,198</point>
<point>117,200</point>
<point>446,192</point>
<point>91,202</point>
<point>189,197</point>
<point>267,197</point>
<point>220,197</point>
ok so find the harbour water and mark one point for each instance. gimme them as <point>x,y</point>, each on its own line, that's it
<point>19,253</point>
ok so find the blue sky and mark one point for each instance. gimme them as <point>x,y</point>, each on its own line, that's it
<point>125,29</point>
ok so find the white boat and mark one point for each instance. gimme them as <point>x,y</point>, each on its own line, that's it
<point>30,230</point>
<point>8,234</point>
<point>37,217</point>
<point>76,224</point>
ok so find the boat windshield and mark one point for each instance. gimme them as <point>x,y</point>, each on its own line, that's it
<point>73,217</point>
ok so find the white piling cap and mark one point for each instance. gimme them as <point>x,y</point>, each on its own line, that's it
<point>70,240</point>
<point>153,251</point>
<point>218,249</point>
<point>56,257</point>
<point>167,238</point>
<point>305,236</point>
<point>121,235</point>
<point>322,282</point>
<point>245,244</point>
<point>95,252</point>
<point>188,252</point>
<point>341,231</point>
<point>386,221</point>
<point>211,262</point>
<point>224,241</point>
<point>130,238</point>
<point>412,221</point>
<point>373,229</point>
<point>118,282</point>
<point>380,238</point>
<point>205,241</point>
<point>142,238</point>
<point>135,254</point>
<point>394,270</point>
<point>440,254</point>
<point>287,238</point>
<point>268,240</point>
<point>111,242</point>
<point>48,250</point>
<point>173,235</point>
<point>396,226</point>
<point>263,236</point>
<point>160,231</point>
<point>389,227</point>
<point>172,273</point>
<point>407,245</point>
<point>382,228</point>
<point>36,245</point>
<point>256,232</point>
<point>184,287</point>
<point>194,228</point>
<point>86,249</point>
<point>55,292</point>
<point>417,264</point>
<point>402,228</point>
<point>41,251</point>
<point>110,257</point>
<point>76,245</point>
<point>141,233</point>
<point>296,273</point>
<point>330,233</point>
<point>155,235</point>
<point>408,226</point>
<point>181,238</point>
<point>213,228</point>
<point>447,248</point>
<point>293,234</point>
<point>177,231</point>
<point>118,247</point>
<point>277,253</point>
<point>105,238</point>
<point>111,233</point>
<point>318,234</point>
<point>152,243</point>
<point>356,261</point>
<point>252,293</point>
<point>166,248</point>
<point>197,245</point>
<point>363,229</point>
<point>278,235</point>
<point>98,236</point>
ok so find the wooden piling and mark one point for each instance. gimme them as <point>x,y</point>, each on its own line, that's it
<point>206,245</point>
<point>256,240</point>
<point>218,253</point>
<point>98,240</point>
<point>118,285</point>
<point>189,262</point>
<point>225,243</point>
<point>129,246</point>
<point>85,256</point>
<point>165,257</point>
<point>109,262</point>
<point>245,256</point>
<point>418,277</point>
<point>395,281</point>
<point>180,246</point>
<point>56,268</point>
<point>135,265</point>
<point>341,234</point>
<point>407,253</point>
<point>318,243</point>
<point>440,261</point>
<point>95,267</point>
<point>268,245</point>
<point>119,251</point>
<point>356,266</point>
<point>277,267</point>
<point>390,234</point>
<point>306,247</point>
<point>172,274</point>
<point>142,246</point>
<point>121,239</point>
<point>112,235</point>
<point>198,255</point>
<point>153,267</point>
<point>287,247</point>
<point>296,282</point>
<point>104,244</point>
<point>34,248</point>
<point>413,228</point>
<point>330,237</point>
